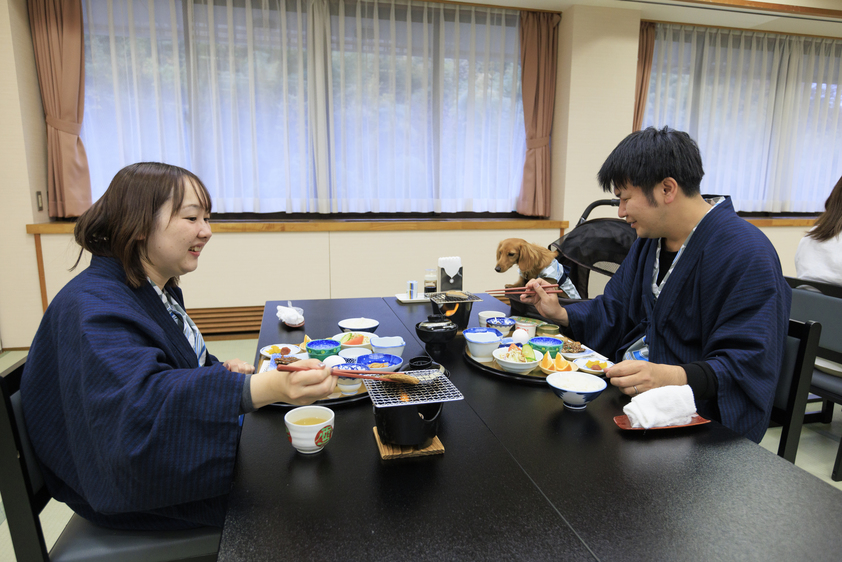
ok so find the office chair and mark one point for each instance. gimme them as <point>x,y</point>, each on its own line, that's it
<point>25,495</point>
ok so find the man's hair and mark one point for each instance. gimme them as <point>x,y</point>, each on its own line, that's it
<point>645,158</point>
<point>120,223</point>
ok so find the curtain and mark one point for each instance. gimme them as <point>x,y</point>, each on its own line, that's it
<point>539,58</point>
<point>337,106</point>
<point>764,108</point>
<point>644,71</point>
<point>56,27</point>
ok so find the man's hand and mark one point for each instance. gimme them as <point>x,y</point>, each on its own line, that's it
<point>633,377</point>
<point>546,304</point>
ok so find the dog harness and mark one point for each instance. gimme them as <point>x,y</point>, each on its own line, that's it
<point>556,272</point>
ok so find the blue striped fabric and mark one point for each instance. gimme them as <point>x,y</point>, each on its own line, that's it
<point>725,303</point>
<point>185,323</point>
<point>130,432</point>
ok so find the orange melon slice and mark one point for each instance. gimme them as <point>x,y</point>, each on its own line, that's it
<point>547,362</point>
<point>561,364</point>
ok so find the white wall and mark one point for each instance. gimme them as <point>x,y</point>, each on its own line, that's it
<point>23,169</point>
<point>247,269</point>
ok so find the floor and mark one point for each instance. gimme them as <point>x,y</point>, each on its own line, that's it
<point>816,450</point>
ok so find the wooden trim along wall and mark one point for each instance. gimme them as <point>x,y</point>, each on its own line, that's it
<point>768,7</point>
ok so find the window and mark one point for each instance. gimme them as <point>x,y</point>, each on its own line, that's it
<point>764,108</point>
<point>298,106</point>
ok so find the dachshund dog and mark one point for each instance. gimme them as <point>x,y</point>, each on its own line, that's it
<point>533,261</point>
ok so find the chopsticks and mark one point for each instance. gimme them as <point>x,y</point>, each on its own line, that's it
<point>356,374</point>
<point>523,290</point>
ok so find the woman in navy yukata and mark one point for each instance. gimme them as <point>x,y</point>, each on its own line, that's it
<point>135,424</point>
<point>700,300</point>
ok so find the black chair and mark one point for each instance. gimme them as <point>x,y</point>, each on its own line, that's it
<point>25,496</point>
<point>827,310</point>
<point>790,403</point>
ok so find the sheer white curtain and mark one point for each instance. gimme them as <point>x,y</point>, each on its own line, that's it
<point>764,108</point>
<point>310,105</point>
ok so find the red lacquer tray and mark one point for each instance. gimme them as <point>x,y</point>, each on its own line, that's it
<point>624,423</point>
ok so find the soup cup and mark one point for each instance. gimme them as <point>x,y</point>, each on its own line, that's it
<point>486,314</point>
<point>309,428</point>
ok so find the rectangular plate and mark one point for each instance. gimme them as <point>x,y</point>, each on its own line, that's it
<point>624,423</point>
<point>404,298</point>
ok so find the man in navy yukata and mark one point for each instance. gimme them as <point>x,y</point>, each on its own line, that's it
<point>700,300</point>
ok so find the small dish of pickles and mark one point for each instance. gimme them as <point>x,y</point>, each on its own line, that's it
<point>592,365</point>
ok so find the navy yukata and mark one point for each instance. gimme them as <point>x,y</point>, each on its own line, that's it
<point>129,430</point>
<point>725,303</point>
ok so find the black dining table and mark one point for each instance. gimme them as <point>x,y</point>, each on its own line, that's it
<point>521,476</point>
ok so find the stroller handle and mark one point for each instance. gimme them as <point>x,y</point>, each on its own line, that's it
<point>592,206</point>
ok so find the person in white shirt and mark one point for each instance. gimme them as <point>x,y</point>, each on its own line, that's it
<point>819,254</point>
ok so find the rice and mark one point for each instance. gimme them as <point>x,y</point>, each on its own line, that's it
<point>578,382</point>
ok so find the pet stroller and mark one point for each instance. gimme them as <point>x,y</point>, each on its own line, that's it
<point>592,245</point>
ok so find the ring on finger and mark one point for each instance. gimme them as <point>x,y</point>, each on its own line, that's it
<point>636,391</point>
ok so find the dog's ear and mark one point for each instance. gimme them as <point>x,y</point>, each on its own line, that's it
<point>530,257</point>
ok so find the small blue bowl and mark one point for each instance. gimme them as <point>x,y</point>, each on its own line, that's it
<point>319,349</point>
<point>546,345</point>
<point>502,324</point>
<point>392,362</point>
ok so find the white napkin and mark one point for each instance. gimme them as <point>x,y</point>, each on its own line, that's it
<point>289,315</point>
<point>663,406</point>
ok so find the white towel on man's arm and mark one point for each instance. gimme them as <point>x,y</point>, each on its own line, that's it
<point>659,407</point>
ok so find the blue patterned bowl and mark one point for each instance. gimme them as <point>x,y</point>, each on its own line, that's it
<point>392,362</point>
<point>320,349</point>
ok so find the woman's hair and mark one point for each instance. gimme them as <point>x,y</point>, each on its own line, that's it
<point>829,223</point>
<point>120,223</point>
<point>647,157</point>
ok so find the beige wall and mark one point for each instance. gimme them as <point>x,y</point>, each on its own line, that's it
<point>247,269</point>
<point>597,58</point>
<point>23,169</point>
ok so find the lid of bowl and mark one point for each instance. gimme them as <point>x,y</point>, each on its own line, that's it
<point>438,325</point>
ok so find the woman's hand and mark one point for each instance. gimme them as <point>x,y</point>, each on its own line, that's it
<point>296,387</point>
<point>546,304</point>
<point>239,366</point>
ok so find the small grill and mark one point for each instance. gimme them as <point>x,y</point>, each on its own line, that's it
<point>433,387</point>
<point>445,298</point>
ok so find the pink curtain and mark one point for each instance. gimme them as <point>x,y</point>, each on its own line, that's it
<point>539,57</point>
<point>645,52</point>
<point>58,43</point>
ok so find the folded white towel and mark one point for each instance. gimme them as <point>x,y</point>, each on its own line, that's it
<point>659,407</point>
<point>290,315</point>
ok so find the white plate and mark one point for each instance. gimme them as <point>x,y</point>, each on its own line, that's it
<point>582,364</point>
<point>267,365</point>
<point>572,356</point>
<point>270,349</point>
<point>404,298</point>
